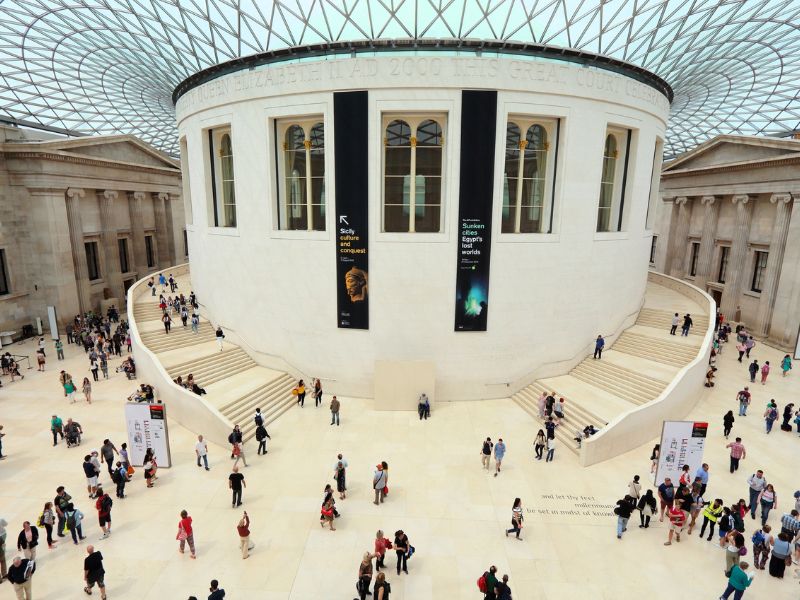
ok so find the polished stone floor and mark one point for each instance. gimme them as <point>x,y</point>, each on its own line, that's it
<point>453,512</point>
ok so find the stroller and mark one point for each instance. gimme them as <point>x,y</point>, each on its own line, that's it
<point>73,435</point>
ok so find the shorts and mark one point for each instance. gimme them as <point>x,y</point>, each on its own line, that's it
<point>104,519</point>
<point>91,481</point>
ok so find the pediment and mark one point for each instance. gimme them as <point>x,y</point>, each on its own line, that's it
<point>727,150</point>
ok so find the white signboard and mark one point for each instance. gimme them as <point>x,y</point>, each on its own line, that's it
<point>147,428</point>
<point>682,443</point>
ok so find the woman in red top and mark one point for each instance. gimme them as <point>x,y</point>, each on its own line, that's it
<point>381,545</point>
<point>185,533</point>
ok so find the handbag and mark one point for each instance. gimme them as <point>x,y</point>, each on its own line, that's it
<point>181,533</point>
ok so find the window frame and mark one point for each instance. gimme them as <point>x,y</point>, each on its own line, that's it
<point>759,270</point>
<point>414,119</point>
<point>724,258</point>
<point>5,277</point>
<point>281,126</point>
<point>623,138</point>
<point>552,128</point>
<point>693,257</point>
<point>93,264</point>
<point>149,250</point>
<point>122,250</point>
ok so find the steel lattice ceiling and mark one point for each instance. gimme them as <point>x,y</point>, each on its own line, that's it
<point>110,66</point>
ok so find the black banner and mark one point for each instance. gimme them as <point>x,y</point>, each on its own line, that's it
<point>350,147</point>
<point>478,131</point>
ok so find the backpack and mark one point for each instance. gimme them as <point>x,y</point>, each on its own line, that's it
<point>106,503</point>
<point>482,582</point>
<point>758,538</point>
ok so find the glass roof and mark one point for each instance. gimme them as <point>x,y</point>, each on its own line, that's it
<point>110,66</point>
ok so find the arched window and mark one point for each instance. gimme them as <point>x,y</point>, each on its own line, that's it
<point>412,190</point>
<point>303,190</point>
<point>608,184</point>
<point>527,177</point>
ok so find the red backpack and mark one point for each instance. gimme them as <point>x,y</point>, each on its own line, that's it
<point>482,583</point>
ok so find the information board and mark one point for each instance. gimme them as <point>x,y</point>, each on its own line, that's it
<point>147,428</point>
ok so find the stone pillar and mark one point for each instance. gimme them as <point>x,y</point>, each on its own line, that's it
<point>680,238</point>
<point>783,211</point>
<point>738,256</point>
<point>710,216</point>
<point>112,272</point>
<point>135,200</point>
<point>162,243</point>
<point>78,250</point>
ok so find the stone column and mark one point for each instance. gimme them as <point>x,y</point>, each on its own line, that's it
<point>162,244</point>
<point>78,250</point>
<point>135,200</point>
<point>783,211</point>
<point>738,256</point>
<point>112,272</point>
<point>710,217</point>
<point>680,238</point>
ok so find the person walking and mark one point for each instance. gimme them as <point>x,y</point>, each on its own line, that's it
<point>28,540</point>
<point>86,387</point>
<point>738,452</point>
<point>339,476</point>
<point>770,415</point>
<point>539,443</point>
<point>623,511</point>
<point>743,397</point>
<point>786,365</point>
<point>235,483</point>
<point>378,484</point>
<point>647,508</point>
<point>753,370</point>
<point>201,451</point>
<point>687,324</point>
<point>757,483</point>
<point>56,428</point>
<point>20,574</point>
<point>551,449</point>
<point>599,343</point>
<point>762,541</point>
<point>675,320</point>
<point>401,549</point>
<point>261,437</point>
<point>334,411</point>
<point>93,572</point>
<point>186,533</point>
<point>738,582</point>
<point>47,520</point>
<point>486,453</point>
<point>764,372</point>
<point>499,453</point>
<point>220,336</point>
<point>364,575</point>
<point>243,528</point>
<point>727,423</point>
<point>517,519</point>
<point>768,500</point>
<point>103,505</point>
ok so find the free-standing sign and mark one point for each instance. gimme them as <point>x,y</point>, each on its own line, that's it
<point>352,267</point>
<point>682,443</point>
<point>478,130</point>
<point>147,428</point>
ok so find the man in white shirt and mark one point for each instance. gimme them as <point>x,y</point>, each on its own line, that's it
<point>201,450</point>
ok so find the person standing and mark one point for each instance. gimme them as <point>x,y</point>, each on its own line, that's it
<point>599,343</point>
<point>770,415</point>
<point>235,483</point>
<point>201,451</point>
<point>401,547</point>
<point>103,505</point>
<point>243,528</point>
<point>758,484</point>
<point>623,511</point>
<point>647,509</point>
<point>517,519</point>
<point>727,423</point>
<point>768,500</point>
<point>93,572</point>
<point>335,411</point>
<point>738,582</point>
<point>687,324</point>
<point>107,451</point>
<point>378,483</point>
<point>738,452</point>
<point>753,370</point>
<point>19,574</point>
<point>261,437</point>
<point>675,320</point>
<point>499,453</point>
<point>551,449</point>
<point>220,335</point>
<point>186,533</point>
<point>28,540</point>
<point>486,453</point>
<point>666,495</point>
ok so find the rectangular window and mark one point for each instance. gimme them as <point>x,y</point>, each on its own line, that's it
<point>148,247</point>
<point>92,261</point>
<point>412,173</point>
<point>724,251</point>
<point>530,165</point>
<point>185,243</point>
<point>223,189</point>
<point>653,250</point>
<point>613,180</point>
<point>300,148</point>
<point>759,269</point>
<point>5,284</point>
<point>123,255</point>
<point>693,259</point>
